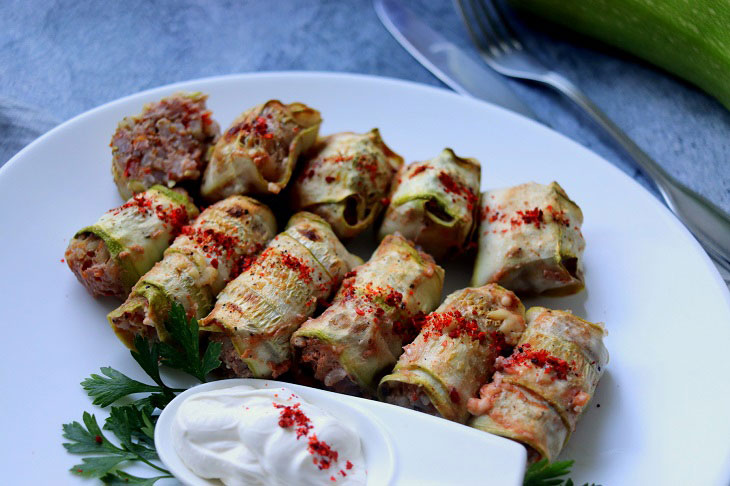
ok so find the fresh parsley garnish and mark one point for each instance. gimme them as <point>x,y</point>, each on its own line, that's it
<point>186,356</point>
<point>544,473</point>
<point>133,424</point>
<point>102,457</point>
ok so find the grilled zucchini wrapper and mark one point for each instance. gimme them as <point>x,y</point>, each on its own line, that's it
<point>346,180</point>
<point>361,335</point>
<point>206,256</point>
<point>557,362</point>
<point>434,203</point>
<point>455,351</point>
<point>518,414</point>
<point>130,238</point>
<point>258,311</point>
<point>530,240</point>
<point>257,154</point>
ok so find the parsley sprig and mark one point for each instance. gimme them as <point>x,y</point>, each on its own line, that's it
<point>544,473</point>
<point>133,424</point>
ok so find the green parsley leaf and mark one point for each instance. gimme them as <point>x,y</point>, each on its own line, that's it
<point>147,354</point>
<point>87,440</point>
<point>112,386</point>
<point>120,477</point>
<point>127,424</point>
<point>186,355</point>
<point>543,473</point>
<point>98,466</point>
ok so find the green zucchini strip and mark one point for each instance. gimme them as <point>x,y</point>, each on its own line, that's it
<point>257,154</point>
<point>530,240</point>
<point>552,372</point>
<point>360,336</point>
<point>257,312</point>
<point>435,202</point>
<point>455,351</point>
<point>135,235</point>
<point>346,180</point>
<point>197,266</point>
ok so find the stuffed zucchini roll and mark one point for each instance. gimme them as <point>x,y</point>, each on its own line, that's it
<point>258,152</point>
<point>454,353</point>
<point>109,256</point>
<point>434,203</point>
<point>346,180</point>
<point>166,144</point>
<point>257,313</point>
<point>361,335</point>
<point>207,255</point>
<point>518,414</point>
<point>553,372</point>
<point>530,240</point>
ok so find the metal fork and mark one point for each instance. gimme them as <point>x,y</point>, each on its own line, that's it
<point>500,48</point>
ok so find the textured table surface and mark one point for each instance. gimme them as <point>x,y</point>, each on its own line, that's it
<point>61,58</point>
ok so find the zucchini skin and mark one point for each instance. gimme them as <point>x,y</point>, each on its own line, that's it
<point>346,168</point>
<point>689,39</point>
<point>202,259</point>
<point>364,328</point>
<point>434,203</point>
<point>449,364</point>
<point>258,152</point>
<point>260,309</point>
<point>134,236</point>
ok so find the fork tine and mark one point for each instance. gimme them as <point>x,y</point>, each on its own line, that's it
<point>487,12</point>
<point>504,21</point>
<point>493,37</point>
<point>486,48</point>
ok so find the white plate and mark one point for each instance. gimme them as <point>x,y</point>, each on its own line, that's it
<point>665,397</point>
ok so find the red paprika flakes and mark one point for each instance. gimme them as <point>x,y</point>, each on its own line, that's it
<point>453,187</point>
<point>524,356</point>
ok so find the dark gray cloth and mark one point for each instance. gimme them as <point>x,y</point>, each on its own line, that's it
<point>64,57</point>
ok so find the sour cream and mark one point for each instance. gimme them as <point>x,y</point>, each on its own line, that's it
<point>267,437</point>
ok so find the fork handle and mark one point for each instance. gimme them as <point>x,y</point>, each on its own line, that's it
<point>709,224</point>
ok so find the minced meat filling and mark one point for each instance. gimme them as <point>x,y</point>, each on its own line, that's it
<point>410,396</point>
<point>230,358</point>
<point>89,259</point>
<point>325,366</point>
<point>167,143</point>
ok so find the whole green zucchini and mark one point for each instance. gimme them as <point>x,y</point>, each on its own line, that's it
<point>689,39</point>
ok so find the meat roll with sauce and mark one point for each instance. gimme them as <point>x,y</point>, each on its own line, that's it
<point>201,261</point>
<point>455,351</point>
<point>361,335</point>
<point>530,240</point>
<point>539,392</point>
<point>109,256</point>
<point>258,152</point>
<point>345,180</point>
<point>434,203</point>
<point>257,312</point>
<point>166,144</point>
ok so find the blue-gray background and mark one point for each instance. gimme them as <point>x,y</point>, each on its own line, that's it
<point>61,58</point>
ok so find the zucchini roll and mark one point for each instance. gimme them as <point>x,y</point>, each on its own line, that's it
<point>257,313</point>
<point>539,392</point>
<point>530,240</point>
<point>361,335</point>
<point>454,353</point>
<point>346,180</point>
<point>434,203</point>
<point>207,255</point>
<point>258,152</point>
<point>109,256</point>
<point>167,143</point>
